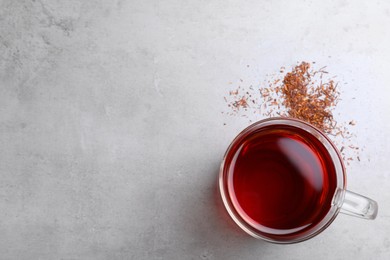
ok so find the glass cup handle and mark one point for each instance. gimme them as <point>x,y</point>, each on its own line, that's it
<point>359,206</point>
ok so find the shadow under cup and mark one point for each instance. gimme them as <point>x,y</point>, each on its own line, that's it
<point>283,181</point>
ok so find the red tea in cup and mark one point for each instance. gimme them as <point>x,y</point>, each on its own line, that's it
<point>282,180</point>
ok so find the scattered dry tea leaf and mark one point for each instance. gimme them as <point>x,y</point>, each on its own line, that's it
<point>304,93</point>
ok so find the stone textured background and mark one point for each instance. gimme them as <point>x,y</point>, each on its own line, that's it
<point>111,131</point>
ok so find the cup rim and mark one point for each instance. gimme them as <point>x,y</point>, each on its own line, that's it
<point>338,196</point>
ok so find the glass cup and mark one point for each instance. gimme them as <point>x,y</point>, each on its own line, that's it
<point>342,200</point>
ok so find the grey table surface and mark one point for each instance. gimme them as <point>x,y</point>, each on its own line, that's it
<point>111,129</point>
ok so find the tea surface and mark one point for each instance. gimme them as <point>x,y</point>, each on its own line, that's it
<point>281,181</point>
